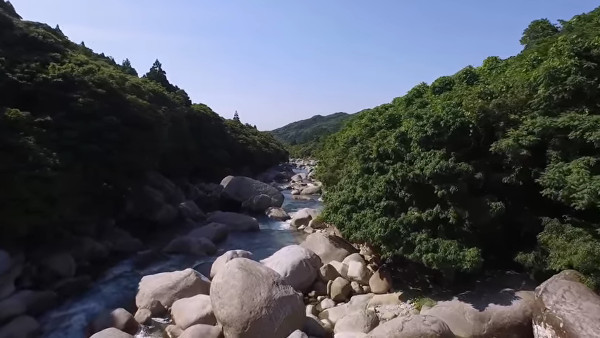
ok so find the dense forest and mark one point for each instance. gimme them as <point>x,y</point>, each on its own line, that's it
<point>305,138</point>
<point>496,166</point>
<point>77,130</point>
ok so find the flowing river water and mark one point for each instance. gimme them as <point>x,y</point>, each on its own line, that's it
<point>118,285</point>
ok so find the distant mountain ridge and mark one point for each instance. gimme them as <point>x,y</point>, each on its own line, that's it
<point>312,129</point>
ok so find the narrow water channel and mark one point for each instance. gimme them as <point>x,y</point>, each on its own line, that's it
<point>118,286</point>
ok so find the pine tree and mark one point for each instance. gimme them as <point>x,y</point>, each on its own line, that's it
<point>128,68</point>
<point>158,75</point>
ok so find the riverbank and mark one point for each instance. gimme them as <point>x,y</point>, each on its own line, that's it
<point>287,261</point>
<point>104,278</point>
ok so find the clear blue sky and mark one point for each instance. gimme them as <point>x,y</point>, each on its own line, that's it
<point>278,61</point>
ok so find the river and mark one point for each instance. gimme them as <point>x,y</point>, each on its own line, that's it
<point>117,286</point>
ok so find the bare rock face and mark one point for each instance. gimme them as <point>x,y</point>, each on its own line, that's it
<point>252,301</point>
<point>298,266</point>
<point>158,292</point>
<point>413,327</point>
<point>328,247</point>
<point>565,308</point>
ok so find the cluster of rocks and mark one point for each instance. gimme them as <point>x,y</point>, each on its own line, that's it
<point>327,287</point>
<point>321,287</point>
<point>33,282</point>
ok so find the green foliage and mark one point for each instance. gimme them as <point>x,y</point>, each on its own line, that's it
<point>304,138</point>
<point>128,68</point>
<point>78,130</point>
<point>537,31</point>
<point>492,163</point>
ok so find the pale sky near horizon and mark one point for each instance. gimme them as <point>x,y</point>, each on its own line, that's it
<point>276,62</point>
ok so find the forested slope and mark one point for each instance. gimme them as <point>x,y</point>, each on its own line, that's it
<point>305,137</point>
<point>77,130</point>
<point>494,166</point>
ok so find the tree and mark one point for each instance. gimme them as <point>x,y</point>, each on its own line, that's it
<point>494,166</point>
<point>158,75</point>
<point>128,68</point>
<point>236,117</point>
<point>9,9</point>
<point>537,31</point>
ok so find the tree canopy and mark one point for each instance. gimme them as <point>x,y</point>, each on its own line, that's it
<point>494,166</point>
<point>78,130</point>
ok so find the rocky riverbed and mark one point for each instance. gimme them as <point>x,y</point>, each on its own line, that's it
<point>273,268</point>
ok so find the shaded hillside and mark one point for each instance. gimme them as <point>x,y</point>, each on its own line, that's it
<point>494,166</point>
<point>305,136</point>
<point>77,130</point>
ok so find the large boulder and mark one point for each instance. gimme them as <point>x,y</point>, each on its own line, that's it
<point>311,190</point>
<point>246,191</point>
<point>150,203</point>
<point>490,310</point>
<point>216,232</point>
<point>20,327</point>
<point>201,331</point>
<point>189,209</point>
<point>413,327</point>
<point>566,308</point>
<point>329,272</point>
<point>111,332</point>
<point>298,266</point>
<point>235,222</point>
<point>5,261</point>
<point>251,300</point>
<point>120,241</point>
<point>328,247</point>
<point>26,301</point>
<point>59,265</point>
<point>191,311</point>
<point>220,262</point>
<point>360,321</point>
<point>120,319</point>
<point>11,307</point>
<point>258,203</point>
<point>160,291</point>
<point>358,272</point>
<point>381,281</point>
<point>199,246</point>
<point>171,192</point>
<point>340,289</point>
<point>335,313</point>
<point>87,249</point>
<point>303,217</point>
